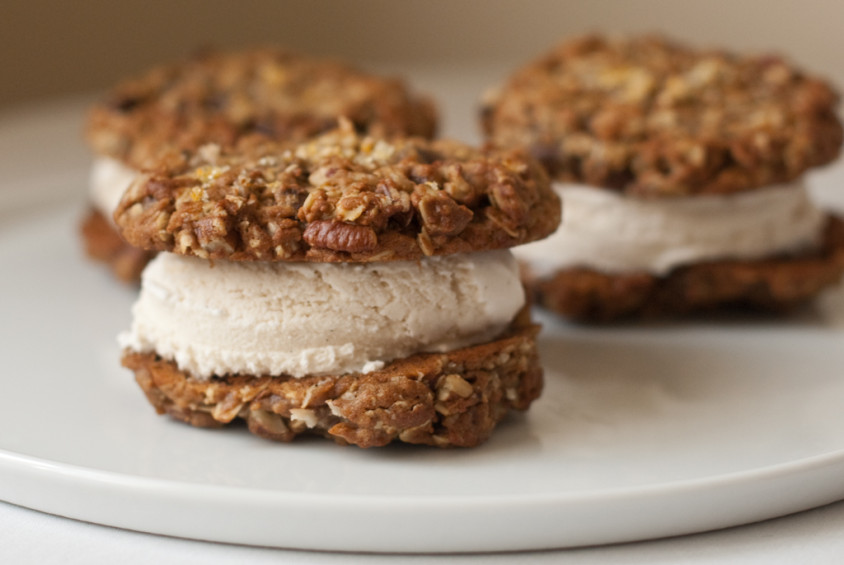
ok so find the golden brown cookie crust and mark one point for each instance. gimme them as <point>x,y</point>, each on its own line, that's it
<point>220,97</point>
<point>450,399</point>
<point>650,117</point>
<point>340,197</point>
<point>775,283</point>
<point>103,243</point>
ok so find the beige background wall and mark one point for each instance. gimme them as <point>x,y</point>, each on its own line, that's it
<point>55,47</point>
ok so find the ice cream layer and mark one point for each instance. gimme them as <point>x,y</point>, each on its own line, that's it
<point>314,318</point>
<point>608,232</point>
<point>109,179</point>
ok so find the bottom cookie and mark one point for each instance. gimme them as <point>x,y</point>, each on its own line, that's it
<point>776,283</point>
<point>440,399</point>
<point>104,244</point>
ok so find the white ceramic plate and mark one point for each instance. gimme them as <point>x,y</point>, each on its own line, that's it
<point>642,432</point>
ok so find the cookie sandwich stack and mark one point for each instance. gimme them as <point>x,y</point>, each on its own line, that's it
<point>682,171</point>
<point>221,97</point>
<point>347,286</point>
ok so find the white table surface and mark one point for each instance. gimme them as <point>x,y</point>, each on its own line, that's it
<point>50,133</point>
<point>26,536</point>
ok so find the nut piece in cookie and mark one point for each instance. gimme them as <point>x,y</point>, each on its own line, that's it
<point>682,175</point>
<point>219,97</point>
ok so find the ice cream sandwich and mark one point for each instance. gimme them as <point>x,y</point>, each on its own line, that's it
<point>347,286</point>
<point>683,177</point>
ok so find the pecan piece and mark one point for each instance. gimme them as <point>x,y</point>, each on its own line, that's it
<point>506,197</point>
<point>317,206</point>
<point>340,236</point>
<point>443,216</point>
<point>214,233</point>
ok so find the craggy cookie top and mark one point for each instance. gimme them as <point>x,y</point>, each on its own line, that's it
<point>339,197</point>
<point>649,117</point>
<point>220,97</point>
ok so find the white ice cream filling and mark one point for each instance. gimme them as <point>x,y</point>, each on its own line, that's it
<point>612,233</point>
<point>109,180</point>
<point>304,319</point>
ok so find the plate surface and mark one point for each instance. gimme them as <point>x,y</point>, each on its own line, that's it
<point>642,432</point>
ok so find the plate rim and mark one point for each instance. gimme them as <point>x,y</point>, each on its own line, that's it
<point>56,481</point>
<point>821,461</point>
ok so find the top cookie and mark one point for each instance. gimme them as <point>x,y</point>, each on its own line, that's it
<point>339,197</point>
<point>649,117</point>
<point>221,97</point>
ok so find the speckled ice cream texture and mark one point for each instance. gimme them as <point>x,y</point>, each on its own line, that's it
<point>302,319</point>
<point>614,233</point>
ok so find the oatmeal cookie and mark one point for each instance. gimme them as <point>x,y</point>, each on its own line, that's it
<point>439,399</point>
<point>339,197</point>
<point>104,244</point>
<point>222,97</point>
<point>773,283</point>
<point>219,97</point>
<point>652,118</point>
